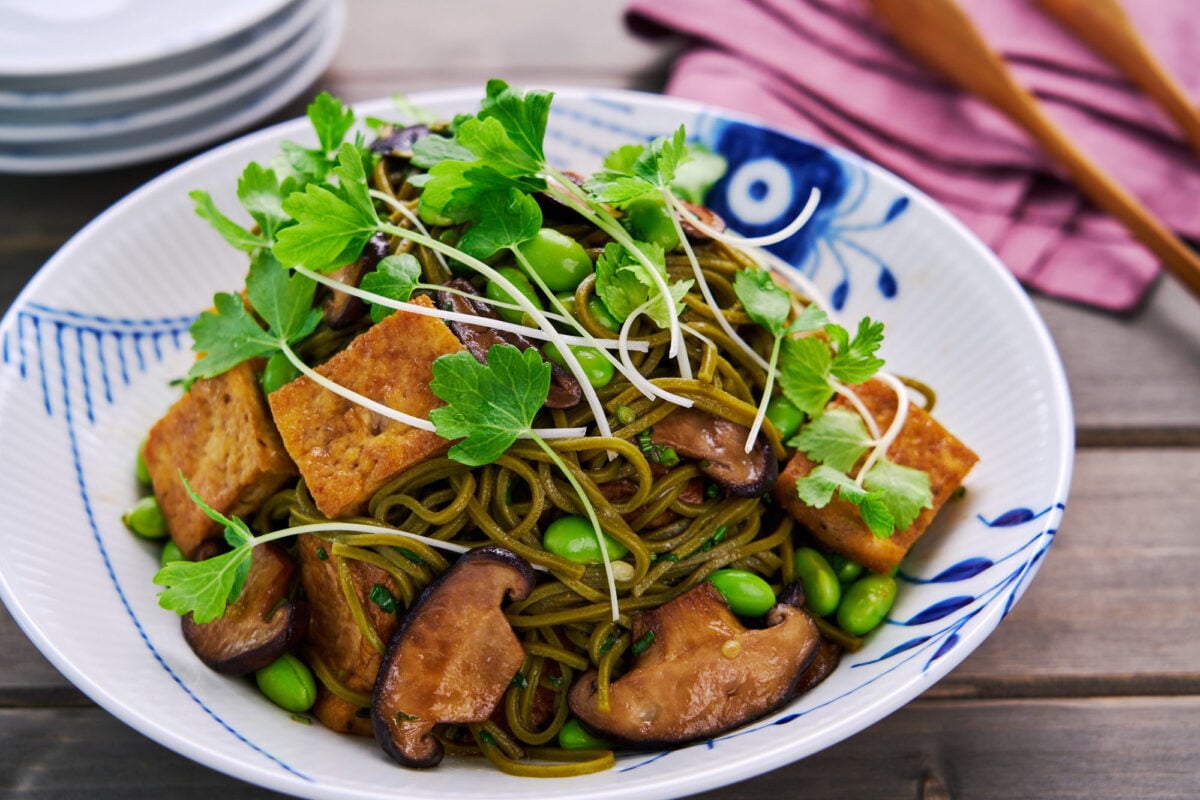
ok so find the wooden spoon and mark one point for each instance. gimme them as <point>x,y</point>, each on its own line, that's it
<point>1103,25</point>
<point>939,34</point>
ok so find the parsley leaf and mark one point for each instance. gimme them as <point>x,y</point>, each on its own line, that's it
<point>262,195</point>
<point>905,491</point>
<point>504,219</point>
<point>230,231</point>
<point>522,115</point>
<point>855,361</point>
<point>206,587</point>
<point>395,277</point>
<point>624,283</point>
<point>652,169</point>
<point>332,223</point>
<point>818,487</point>
<point>331,121</point>
<point>837,438</point>
<point>804,368</point>
<point>765,302</point>
<point>230,334</point>
<point>488,405</point>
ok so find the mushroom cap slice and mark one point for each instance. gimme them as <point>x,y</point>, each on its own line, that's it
<point>454,656</point>
<point>703,673</point>
<point>258,627</point>
<point>720,445</point>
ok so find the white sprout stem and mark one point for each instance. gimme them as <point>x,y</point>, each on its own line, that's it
<point>576,369</point>
<point>591,513</point>
<point>396,414</point>
<point>409,215</point>
<point>893,431</point>
<point>705,290</point>
<point>353,396</point>
<point>761,414</point>
<point>357,527</point>
<point>575,198</point>
<point>784,233</point>
<point>639,381</point>
<point>602,345</point>
<point>789,273</point>
<point>455,316</point>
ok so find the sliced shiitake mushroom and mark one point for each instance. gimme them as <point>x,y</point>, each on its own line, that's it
<point>343,310</point>
<point>453,657</point>
<point>565,391</point>
<point>258,627</point>
<point>398,142</point>
<point>720,447</point>
<point>702,673</point>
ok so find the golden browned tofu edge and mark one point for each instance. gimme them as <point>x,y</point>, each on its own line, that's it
<point>922,444</point>
<point>220,435</point>
<point>344,451</point>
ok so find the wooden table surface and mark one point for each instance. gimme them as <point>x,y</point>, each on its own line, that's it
<point>1089,689</point>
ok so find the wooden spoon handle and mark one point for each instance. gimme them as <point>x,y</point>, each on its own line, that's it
<point>939,34</point>
<point>1103,25</point>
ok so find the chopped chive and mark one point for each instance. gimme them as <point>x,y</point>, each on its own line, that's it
<point>626,415</point>
<point>641,644</point>
<point>608,643</point>
<point>487,738</point>
<point>382,597</point>
<point>410,555</point>
<point>519,681</point>
<point>668,457</point>
<point>321,554</point>
<point>711,491</point>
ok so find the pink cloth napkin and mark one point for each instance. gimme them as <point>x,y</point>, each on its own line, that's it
<point>827,71</point>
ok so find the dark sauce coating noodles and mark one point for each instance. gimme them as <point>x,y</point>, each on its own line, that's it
<point>675,536</point>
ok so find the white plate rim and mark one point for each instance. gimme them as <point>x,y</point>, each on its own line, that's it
<point>236,17</point>
<point>181,136</point>
<point>145,89</point>
<point>772,757</point>
<point>264,71</point>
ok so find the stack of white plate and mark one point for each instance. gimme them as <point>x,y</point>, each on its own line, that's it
<point>93,84</point>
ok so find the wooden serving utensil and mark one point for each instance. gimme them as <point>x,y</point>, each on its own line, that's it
<point>939,34</point>
<point>1104,26</point>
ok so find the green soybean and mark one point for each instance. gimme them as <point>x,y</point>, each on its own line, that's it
<point>866,604</point>
<point>574,539</point>
<point>143,472</point>
<point>597,368</point>
<point>572,736</point>
<point>784,416</point>
<point>278,372</point>
<point>171,552</point>
<point>560,261</point>
<point>747,594</point>
<point>288,683</point>
<point>648,220</point>
<point>146,519</point>
<point>519,280</point>
<point>822,590</point>
<point>845,569</point>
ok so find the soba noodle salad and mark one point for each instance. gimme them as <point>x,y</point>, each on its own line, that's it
<point>486,458</point>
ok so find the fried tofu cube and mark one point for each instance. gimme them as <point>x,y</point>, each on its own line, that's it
<point>220,435</point>
<point>922,444</point>
<point>346,452</point>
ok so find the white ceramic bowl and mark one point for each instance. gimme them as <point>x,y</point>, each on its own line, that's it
<point>90,347</point>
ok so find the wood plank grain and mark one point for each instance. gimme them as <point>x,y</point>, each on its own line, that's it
<point>1146,748</point>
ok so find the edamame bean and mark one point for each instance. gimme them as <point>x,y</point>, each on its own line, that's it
<point>146,519</point>
<point>747,594</point>
<point>171,552</point>
<point>784,416</point>
<point>822,591</point>
<point>560,261</point>
<point>143,472</point>
<point>648,220</point>
<point>845,569</point>
<point>519,280</point>
<point>866,604</point>
<point>288,683</point>
<point>278,372</point>
<point>574,539</point>
<point>597,368</point>
<point>572,736</point>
